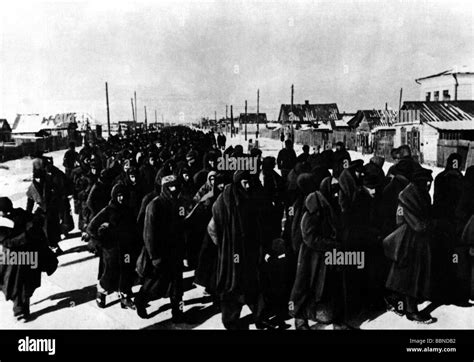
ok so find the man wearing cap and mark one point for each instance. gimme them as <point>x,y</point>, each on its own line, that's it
<point>161,260</point>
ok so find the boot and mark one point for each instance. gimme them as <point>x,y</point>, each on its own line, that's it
<point>126,302</point>
<point>301,324</point>
<point>101,299</point>
<point>140,305</point>
<point>419,317</point>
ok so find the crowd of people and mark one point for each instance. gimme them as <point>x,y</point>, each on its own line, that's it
<point>154,205</point>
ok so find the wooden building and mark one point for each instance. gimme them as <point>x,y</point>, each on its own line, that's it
<point>365,122</point>
<point>433,130</point>
<point>5,131</point>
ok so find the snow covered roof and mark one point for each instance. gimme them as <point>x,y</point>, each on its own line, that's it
<point>374,117</point>
<point>33,123</point>
<point>28,123</point>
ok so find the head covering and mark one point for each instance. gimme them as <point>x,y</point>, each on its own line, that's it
<point>422,174</point>
<point>268,163</point>
<point>373,176</point>
<point>404,167</point>
<point>451,160</point>
<point>241,175</point>
<point>307,183</point>
<point>6,204</point>
<point>356,165</point>
<point>169,180</point>
<point>378,160</point>
<point>118,189</point>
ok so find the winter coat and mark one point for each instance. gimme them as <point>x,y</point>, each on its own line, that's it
<point>317,291</point>
<point>235,229</point>
<point>163,235</point>
<point>411,274</point>
<point>99,197</point>
<point>390,201</point>
<point>147,175</point>
<point>18,282</point>
<point>114,229</point>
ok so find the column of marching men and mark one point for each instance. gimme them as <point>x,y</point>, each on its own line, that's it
<point>152,206</point>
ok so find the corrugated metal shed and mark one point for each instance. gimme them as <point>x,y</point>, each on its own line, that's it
<point>453,115</point>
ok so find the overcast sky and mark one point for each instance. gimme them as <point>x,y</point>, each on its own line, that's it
<point>197,56</point>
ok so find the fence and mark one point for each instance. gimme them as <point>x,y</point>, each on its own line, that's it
<point>306,137</point>
<point>463,147</point>
<point>11,151</point>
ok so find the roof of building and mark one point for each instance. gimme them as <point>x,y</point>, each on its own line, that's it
<point>374,117</point>
<point>343,121</point>
<point>455,70</point>
<point>449,115</point>
<point>310,112</point>
<point>33,123</point>
<point>4,125</point>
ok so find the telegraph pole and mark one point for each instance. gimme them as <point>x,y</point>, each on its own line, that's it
<point>258,113</point>
<point>231,121</point>
<point>245,120</point>
<point>133,110</point>
<point>136,109</point>
<point>146,122</point>
<point>108,110</point>
<point>225,123</point>
<point>292,118</point>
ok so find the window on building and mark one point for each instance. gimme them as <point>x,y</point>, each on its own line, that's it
<point>446,96</point>
<point>436,96</point>
<point>403,135</point>
<point>428,96</point>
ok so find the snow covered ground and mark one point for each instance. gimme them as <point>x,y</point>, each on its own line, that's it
<point>66,300</point>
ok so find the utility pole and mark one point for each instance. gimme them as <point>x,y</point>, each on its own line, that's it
<point>293,116</point>
<point>136,109</point>
<point>225,123</point>
<point>231,121</point>
<point>146,122</point>
<point>133,110</point>
<point>258,113</point>
<point>108,110</point>
<point>156,120</point>
<point>400,101</point>
<point>245,120</point>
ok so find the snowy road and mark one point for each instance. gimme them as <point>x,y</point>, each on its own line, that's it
<point>66,300</point>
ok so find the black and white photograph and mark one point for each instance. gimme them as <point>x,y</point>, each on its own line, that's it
<point>239,165</point>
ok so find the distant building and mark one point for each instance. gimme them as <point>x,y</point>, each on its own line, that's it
<point>433,130</point>
<point>251,118</point>
<point>367,123</point>
<point>5,131</point>
<point>455,84</point>
<point>317,115</point>
<point>343,132</point>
